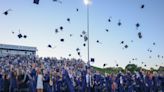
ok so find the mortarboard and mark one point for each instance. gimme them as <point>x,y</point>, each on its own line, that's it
<point>36,1</point>
<point>56,31</point>
<point>158,56</point>
<point>109,20</point>
<point>106,30</point>
<point>153,43</point>
<point>70,35</point>
<point>84,44</point>
<point>83,32</point>
<point>98,42</point>
<point>142,62</point>
<point>117,65</point>
<point>92,60</point>
<point>139,35</point>
<point>81,35</point>
<point>77,9</point>
<point>137,25</point>
<point>122,42</point>
<point>119,23</point>
<point>12,32</point>
<point>49,46</point>
<point>25,36</point>
<point>20,36</point>
<point>77,49</point>
<point>62,40</point>
<point>78,53</point>
<point>69,55</point>
<point>68,19</point>
<point>61,28</point>
<point>126,46</point>
<point>7,12</point>
<point>149,56</point>
<point>104,65</point>
<point>85,38</point>
<point>145,65</point>
<point>142,6</point>
<point>58,1</point>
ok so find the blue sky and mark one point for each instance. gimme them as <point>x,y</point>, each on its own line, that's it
<point>38,22</point>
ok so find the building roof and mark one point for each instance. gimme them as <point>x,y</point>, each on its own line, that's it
<point>17,47</point>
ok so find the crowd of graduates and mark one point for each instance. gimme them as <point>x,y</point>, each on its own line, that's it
<point>36,74</point>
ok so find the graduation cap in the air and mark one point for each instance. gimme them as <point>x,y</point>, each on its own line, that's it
<point>156,65</point>
<point>84,44</point>
<point>61,28</point>
<point>117,65</point>
<point>109,20</point>
<point>119,23</point>
<point>13,32</point>
<point>145,65</point>
<point>70,35</point>
<point>7,12</point>
<point>56,31</point>
<point>78,53</point>
<point>122,42</point>
<point>129,62</point>
<point>25,36</point>
<point>126,46</point>
<point>142,62</point>
<point>81,35</point>
<point>59,1</point>
<point>68,19</point>
<point>158,56</point>
<point>69,55</point>
<point>92,60</point>
<point>84,32</point>
<point>142,6</point>
<point>85,38</point>
<point>98,42</point>
<point>106,30</point>
<point>77,49</point>
<point>49,46</point>
<point>19,35</point>
<point>36,1</point>
<point>77,9</point>
<point>153,43</point>
<point>62,40</point>
<point>137,25</point>
<point>162,56</point>
<point>104,65</point>
<point>149,56</point>
<point>139,35</point>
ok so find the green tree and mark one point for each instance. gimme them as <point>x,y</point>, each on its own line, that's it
<point>132,68</point>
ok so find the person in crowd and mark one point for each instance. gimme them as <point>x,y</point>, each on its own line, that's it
<point>36,74</point>
<point>39,81</point>
<point>6,83</point>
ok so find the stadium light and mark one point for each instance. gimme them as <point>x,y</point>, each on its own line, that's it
<point>87,3</point>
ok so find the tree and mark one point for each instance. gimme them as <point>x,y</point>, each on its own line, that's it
<point>131,67</point>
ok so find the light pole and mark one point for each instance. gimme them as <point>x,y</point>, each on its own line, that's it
<point>87,3</point>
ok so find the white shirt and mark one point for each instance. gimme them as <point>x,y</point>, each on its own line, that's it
<point>40,82</point>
